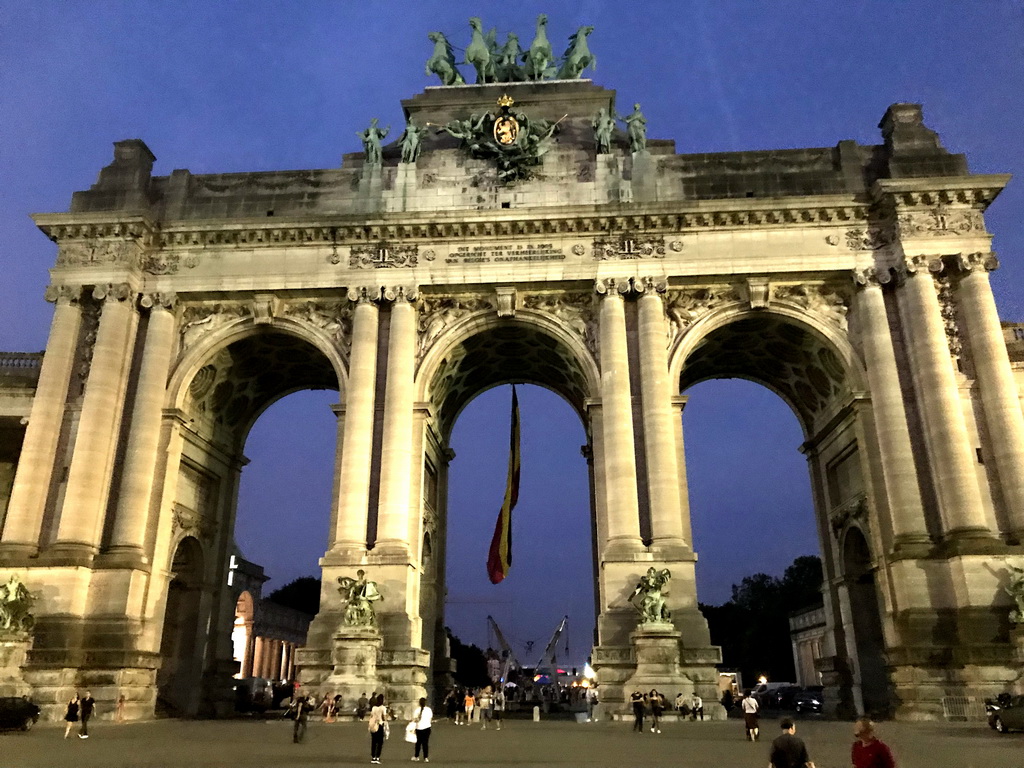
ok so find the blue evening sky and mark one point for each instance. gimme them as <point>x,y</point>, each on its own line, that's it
<point>248,85</point>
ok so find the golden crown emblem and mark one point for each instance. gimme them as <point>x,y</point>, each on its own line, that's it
<point>506,101</point>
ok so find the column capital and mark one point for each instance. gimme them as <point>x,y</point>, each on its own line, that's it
<point>981,262</point>
<point>871,277</point>
<point>158,300</point>
<point>912,265</point>
<point>613,286</point>
<point>399,293</point>
<point>112,292</point>
<point>62,294</point>
<point>650,286</point>
<point>364,294</point>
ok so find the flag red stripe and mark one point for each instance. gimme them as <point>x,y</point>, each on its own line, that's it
<point>499,556</point>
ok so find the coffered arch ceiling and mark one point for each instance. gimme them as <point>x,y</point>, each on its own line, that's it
<point>243,379</point>
<point>510,353</point>
<point>785,357</point>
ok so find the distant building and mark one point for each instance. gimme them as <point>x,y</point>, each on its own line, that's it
<point>807,630</point>
<point>265,634</point>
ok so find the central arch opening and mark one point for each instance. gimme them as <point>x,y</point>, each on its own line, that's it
<point>552,539</point>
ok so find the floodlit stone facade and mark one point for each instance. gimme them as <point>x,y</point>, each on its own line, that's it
<point>851,280</point>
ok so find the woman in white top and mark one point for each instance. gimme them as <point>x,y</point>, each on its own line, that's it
<point>377,727</point>
<point>422,718</point>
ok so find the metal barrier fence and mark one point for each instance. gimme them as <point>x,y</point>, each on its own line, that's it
<point>968,708</point>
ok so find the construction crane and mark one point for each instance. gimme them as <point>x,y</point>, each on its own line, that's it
<point>548,660</point>
<point>507,656</point>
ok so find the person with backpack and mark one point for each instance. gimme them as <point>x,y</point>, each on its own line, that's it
<point>378,727</point>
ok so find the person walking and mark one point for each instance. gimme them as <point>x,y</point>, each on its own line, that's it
<point>70,715</point>
<point>637,700</point>
<point>789,751</point>
<point>750,708</point>
<point>498,706</point>
<point>868,751</point>
<point>378,728</point>
<point>485,707</point>
<point>657,705</point>
<point>300,712</point>
<point>591,702</point>
<point>88,705</point>
<point>468,705</point>
<point>451,705</point>
<point>119,711</point>
<point>422,721</point>
<point>696,707</point>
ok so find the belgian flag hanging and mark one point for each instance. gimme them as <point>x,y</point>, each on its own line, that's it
<point>499,559</point>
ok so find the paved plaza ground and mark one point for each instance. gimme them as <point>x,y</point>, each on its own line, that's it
<point>522,744</point>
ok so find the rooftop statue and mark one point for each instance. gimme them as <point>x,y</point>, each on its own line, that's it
<point>577,56</point>
<point>604,128</point>
<point>650,589</point>
<point>507,69</point>
<point>371,139</point>
<point>412,141</point>
<point>442,62</point>
<point>1015,589</point>
<point>539,59</point>
<point>15,607</point>
<point>636,128</point>
<point>481,51</point>
<point>359,596</point>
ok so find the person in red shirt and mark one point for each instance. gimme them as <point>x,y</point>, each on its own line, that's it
<point>868,751</point>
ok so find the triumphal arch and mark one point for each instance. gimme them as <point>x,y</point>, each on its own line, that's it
<point>519,230</point>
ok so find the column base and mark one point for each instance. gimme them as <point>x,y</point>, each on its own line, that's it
<point>14,554</point>
<point>69,554</point>
<point>123,557</point>
<point>388,552</point>
<point>912,546</point>
<point>971,541</point>
<point>623,549</point>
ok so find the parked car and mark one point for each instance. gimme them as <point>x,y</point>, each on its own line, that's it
<point>782,698</point>
<point>809,699</point>
<point>1006,713</point>
<point>16,712</point>
<point>765,692</point>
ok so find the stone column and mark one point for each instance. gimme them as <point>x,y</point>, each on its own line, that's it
<point>617,424</point>
<point>678,404</point>
<point>85,498</point>
<point>951,448</point>
<point>396,442</point>
<point>1000,400</point>
<point>354,476</point>
<point>248,660</point>
<point>259,657</point>
<point>897,455</point>
<point>659,430</point>
<point>140,460</point>
<point>39,450</point>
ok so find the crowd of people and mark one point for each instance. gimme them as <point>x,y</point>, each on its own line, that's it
<point>655,704</point>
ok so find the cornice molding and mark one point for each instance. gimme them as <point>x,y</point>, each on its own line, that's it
<point>977,191</point>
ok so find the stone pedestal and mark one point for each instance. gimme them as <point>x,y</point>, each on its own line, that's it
<point>660,664</point>
<point>13,653</point>
<point>354,666</point>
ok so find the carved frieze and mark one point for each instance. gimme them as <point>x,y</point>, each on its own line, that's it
<point>940,221</point>
<point>99,253</point>
<point>86,342</point>
<point>332,317</point>
<point>197,320</point>
<point>161,263</point>
<point>440,312</point>
<point>686,306</point>
<point>574,311</point>
<point>383,255</point>
<point>629,246</point>
<point>827,301</point>
<point>868,238</point>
